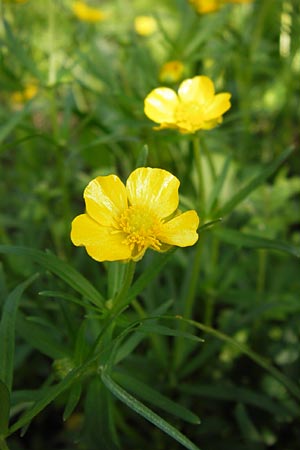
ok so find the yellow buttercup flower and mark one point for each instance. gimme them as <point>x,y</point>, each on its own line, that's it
<point>171,72</point>
<point>195,107</point>
<point>122,221</point>
<point>206,6</point>
<point>145,25</point>
<point>20,97</point>
<point>86,13</point>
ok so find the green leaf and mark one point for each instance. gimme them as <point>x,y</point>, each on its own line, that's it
<point>152,396</point>
<point>146,412</point>
<point>17,49</point>
<point>265,173</point>
<point>12,123</point>
<point>7,332</point>
<point>167,331</point>
<point>73,399</point>
<point>240,239</point>
<point>60,268</point>
<point>47,395</point>
<point>4,409</point>
<point>292,387</point>
<point>40,338</point>
<point>142,157</point>
<point>218,185</point>
<point>151,272</point>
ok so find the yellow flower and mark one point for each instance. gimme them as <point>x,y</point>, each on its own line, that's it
<point>145,25</point>
<point>195,107</point>
<point>171,72</point>
<point>121,222</point>
<point>20,97</point>
<point>206,6</point>
<point>86,13</point>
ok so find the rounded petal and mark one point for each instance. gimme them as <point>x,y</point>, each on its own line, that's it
<point>101,243</point>
<point>155,189</point>
<point>105,198</point>
<point>199,89</point>
<point>220,104</point>
<point>160,105</point>
<point>181,231</point>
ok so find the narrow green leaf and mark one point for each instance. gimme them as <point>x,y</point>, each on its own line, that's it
<point>73,399</point>
<point>167,331</point>
<point>151,272</point>
<point>60,268</point>
<point>230,392</point>
<point>154,397</point>
<point>40,338</point>
<point>47,395</point>
<point>69,298</point>
<point>247,240</point>
<point>142,157</point>
<point>4,408</point>
<point>13,122</point>
<point>18,50</point>
<point>292,387</point>
<point>7,332</point>
<point>146,412</point>
<point>265,173</point>
<point>218,185</point>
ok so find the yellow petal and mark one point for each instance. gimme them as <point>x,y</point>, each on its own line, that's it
<point>155,189</point>
<point>105,198</point>
<point>101,243</point>
<point>160,105</point>
<point>199,89</point>
<point>220,104</point>
<point>181,231</point>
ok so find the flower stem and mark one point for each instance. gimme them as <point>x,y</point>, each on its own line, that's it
<point>198,163</point>
<point>190,296</point>
<point>119,300</point>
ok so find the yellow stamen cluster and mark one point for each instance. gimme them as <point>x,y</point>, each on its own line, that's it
<point>141,228</point>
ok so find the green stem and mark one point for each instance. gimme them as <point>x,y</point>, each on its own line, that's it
<point>209,159</point>
<point>119,301</point>
<point>198,164</point>
<point>189,300</point>
<point>261,274</point>
<point>210,300</point>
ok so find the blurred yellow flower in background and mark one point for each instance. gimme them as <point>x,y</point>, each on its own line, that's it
<point>171,72</point>
<point>206,6</point>
<point>122,222</point>
<point>20,97</point>
<point>86,13</point>
<point>195,107</point>
<point>145,25</point>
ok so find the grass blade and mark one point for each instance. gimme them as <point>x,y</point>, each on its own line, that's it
<point>247,240</point>
<point>146,412</point>
<point>60,268</point>
<point>7,332</point>
<point>265,173</point>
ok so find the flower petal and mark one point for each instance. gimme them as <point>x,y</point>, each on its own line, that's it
<point>181,231</point>
<point>156,189</point>
<point>160,105</point>
<point>199,89</point>
<point>101,243</point>
<point>220,104</point>
<point>105,198</point>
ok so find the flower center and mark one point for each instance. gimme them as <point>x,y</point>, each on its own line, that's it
<point>141,227</point>
<point>189,116</point>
